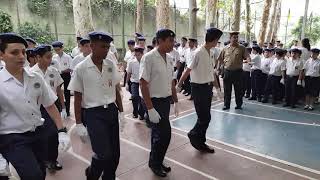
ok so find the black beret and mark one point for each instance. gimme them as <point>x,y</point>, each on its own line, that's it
<point>295,50</point>
<point>214,32</point>
<point>184,38</point>
<point>138,34</point>
<point>279,51</point>
<point>256,47</point>
<point>58,44</point>
<point>315,50</point>
<point>31,40</point>
<point>150,46</point>
<point>84,41</point>
<point>245,44</point>
<point>234,32</point>
<point>165,33</point>
<point>141,38</point>
<point>193,39</point>
<point>79,38</point>
<point>177,44</point>
<point>100,36</point>
<point>8,38</point>
<point>131,42</point>
<point>139,48</point>
<point>42,49</point>
<point>31,52</point>
<point>267,49</point>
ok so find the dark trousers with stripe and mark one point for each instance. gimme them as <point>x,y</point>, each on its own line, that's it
<point>160,133</point>
<point>257,88</point>
<point>291,89</point>
<point>27,152</point>
<point>139,107</point>
<point>233,77</point>
<point>246,83</point>
<point>180,70</point>
<point>273,86</point>
<point>202,97</point>
<point>103,129</point>
<point>66,80</point>
<point>264,78</point>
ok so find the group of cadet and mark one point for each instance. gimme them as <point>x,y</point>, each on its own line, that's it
<point>31,128</point>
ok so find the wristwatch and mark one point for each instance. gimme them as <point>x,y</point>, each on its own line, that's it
<point>64,129</point>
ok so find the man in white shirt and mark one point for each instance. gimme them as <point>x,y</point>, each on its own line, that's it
<point>158,87</point>
<point>265,67</point>
<point>113,49</point>
<point>189,55</point>
<point>246,67</point>
<point>85,51</point>
<point>201,70</point>
<point>22,134</point>
<point>64,61</point>
<point>96,83</point>
<point>256,72</point>
<point>76,50</point>
<point>127,58</point>
<point>294,67</point>
<point>182,52</point>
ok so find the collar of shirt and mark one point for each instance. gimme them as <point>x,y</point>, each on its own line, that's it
<point>5,75</point>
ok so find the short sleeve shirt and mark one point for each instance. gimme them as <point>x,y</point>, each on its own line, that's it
<point>64,61</point>
<point>277,66</point>
<point>133,69</point>
<point>312,67</point>
<point>265,65</point>
<point>76,60</point>
<point>293,67</point>
<point>233,57</point>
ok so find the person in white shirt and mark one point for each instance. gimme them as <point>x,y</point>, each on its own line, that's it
<point>182,52</point>
<point>76,50</point>
<point>158,87</point>
<point>189,55</point>
<point>127,58</point>
<point>96,84</point>
<point>85,51</point>
<point>53,79</point>
<point>114,51</point>
<point>275,77</point>
<point>246,67</point>
<point>22,134</point>
<point>311,71</point>
<point>256,72</point>
<point>201,70</point>
<point>294,66</point>
<point>64,61</point>
<point>142,43</point>
<point>133,68</point>
<point>31,58</point>
<point>265,67</point>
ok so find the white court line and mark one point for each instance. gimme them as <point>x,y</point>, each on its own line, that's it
<point>171,160</point>
<point>252,159</point>
<point>276,107</point>
<point>268,119</point>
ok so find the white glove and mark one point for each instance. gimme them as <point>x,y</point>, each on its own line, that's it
<point>299,83</point>
<point>121,121</point>
<point>303,84</point>
<point>4,167</point>
<point>154,116</point>
<point>282,81</point>
<point>81,130</point>
<point>64,142</point>
<point>178,89</point>
<point>127,87</point>
<point>64,114</point>
<point>176,109</point>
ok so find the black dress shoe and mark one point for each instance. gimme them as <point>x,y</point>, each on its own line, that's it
<point>54,166</point>
<point>205,148</point>
<point>225,108</point>
<point>165,168</point>
<point>135,116</point>
<point>265,101</point>
<point>158,172</point>
<point>252,98</point>
<point>293,106</point>
<point>141,118</point>
<point>274,102</point>
<point>247,96</point>
<point>259,99</point>
<point>238,107</point>
<point>286,105</point>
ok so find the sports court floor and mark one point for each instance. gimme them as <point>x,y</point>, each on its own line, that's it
<point>260,142</point>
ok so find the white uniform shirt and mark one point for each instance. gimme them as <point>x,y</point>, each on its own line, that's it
<point>183,53</point>
<point>256,61</point>
<point>75,51</point>
<point>158,73</point>
<point>265,65</point>
<point>176,57</point>
<point>20,103</point>
<point>64,61</point>
<point>202,66</point>
<point>133,68</point>
<point>51,76</point>
<point>55,63</point>
<point>97,88</point>
<point>190,55</point>
<point>129,56</point>
<point>112,57</point>
<point>113,48</point>
<point>2,64</point>
<point>312,67</point>
<point>277,66</point>
<point>76,60</point>
<point>294,66</point>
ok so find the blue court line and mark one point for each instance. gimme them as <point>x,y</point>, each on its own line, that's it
<point>289,142</point>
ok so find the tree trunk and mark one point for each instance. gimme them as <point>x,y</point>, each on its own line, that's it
<point>236,15</point>
<point>304,19</point>
<point>211,11</point>
<point>163,14</point>
<point>277,22</point>
<point>264,21</point>
<point>139,20</point>
<point>272,20</point>
<point>193,18</point>
<point>248,21</point>
<point>82,17</point>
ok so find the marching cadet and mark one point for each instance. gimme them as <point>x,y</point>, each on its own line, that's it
<point>158,87</point>
<point>265,68</point>
<point>182,52</point>
<point>133,77</point>
<point>76,50</point>
<point>275,77</point>
<point>31,58</point>
<point>231,58</point>
<point>256,73</point>
<point>127,58</point>
<point>96,84</point>
<point>142,43</point>
<point>247,76</point>
<point>64,61</point>
<point>189,55</point>
<point>22,133</point>
<point>53,79</point>
<point>311,70</point>
<point>31,43</point>
<point>201,70</point>
<point>294,68</point>
<point>85,50</point>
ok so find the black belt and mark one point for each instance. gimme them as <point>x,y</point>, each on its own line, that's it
<point>233,70</point>
<point>204,84</point>
<point>100,107</point>
<point>161,98</point>
<point>292,76</point>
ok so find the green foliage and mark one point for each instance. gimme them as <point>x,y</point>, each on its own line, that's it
<point>39,7</point>
<point>40,34</point>
<point>5,22</point>
<point>226,6</point>
<point>312,33</point>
